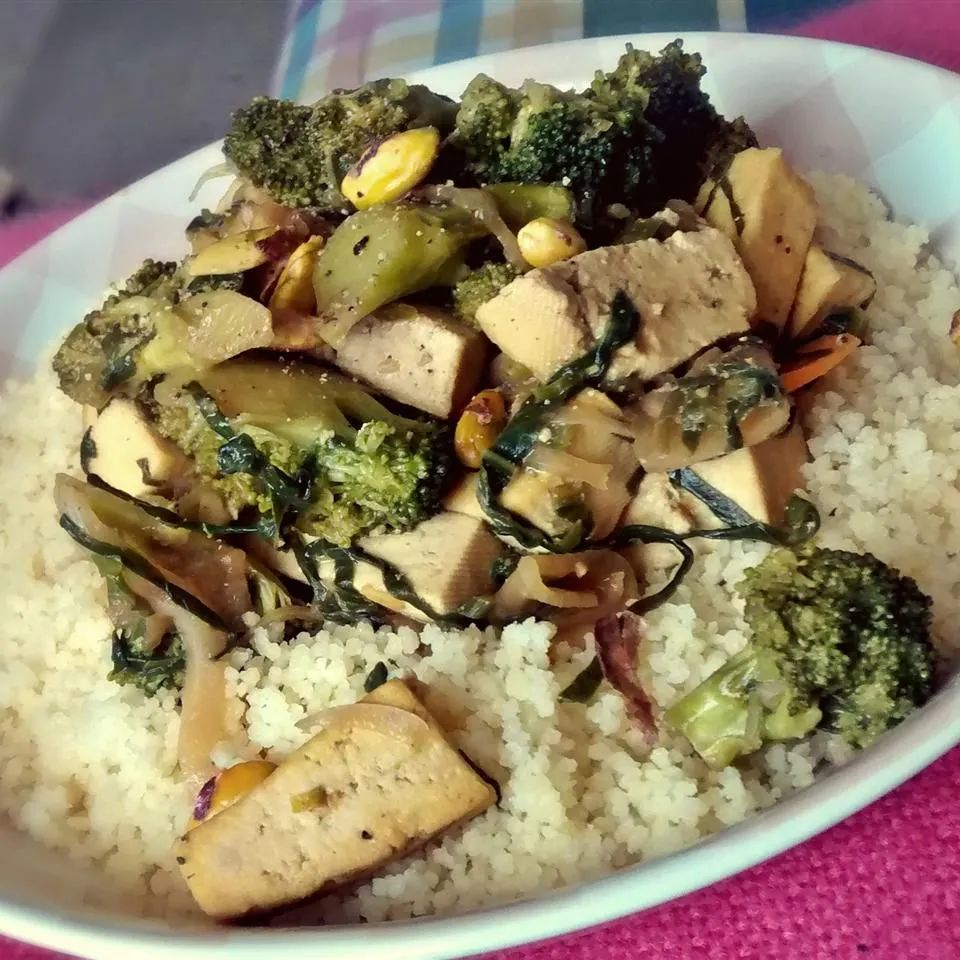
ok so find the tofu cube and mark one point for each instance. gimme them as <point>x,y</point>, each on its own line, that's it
<point>829,283</point>
<point>416,355</point>
<point>770,213</point>
<point>123,449</point>
<point>446,559</point>
<point>378,780</point>
<point>536,321</point>
<point>462,497</point>
<point>657,503</point>
<point>759,479</point>
<point>690,291</point>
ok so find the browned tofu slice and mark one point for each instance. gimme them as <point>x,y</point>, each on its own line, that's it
<point>759,479</point>
<point>770,213</point>
<point>417,355</point>
<point>829,283</point>
<point>446,559</point>
<point>375,782</point>
<point>691,290</point>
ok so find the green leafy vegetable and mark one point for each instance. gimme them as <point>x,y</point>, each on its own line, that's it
<point>800,522</point>
<point>338,596</point>
<point>150,671</point>
<point>723,405</point>
<point>585,684</point>
<point>377,677</point>
<point>239,454</point>
<point>642,533</point>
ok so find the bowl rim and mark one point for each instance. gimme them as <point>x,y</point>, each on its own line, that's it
<point>897,756</point>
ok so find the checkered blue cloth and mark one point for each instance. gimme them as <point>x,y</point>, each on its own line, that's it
<point>340,43</point>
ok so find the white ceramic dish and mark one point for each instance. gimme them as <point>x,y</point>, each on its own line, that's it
<point>884,119</point>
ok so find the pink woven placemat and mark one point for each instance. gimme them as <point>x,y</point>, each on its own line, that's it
<point>17,235</point>
<point>883,885</point>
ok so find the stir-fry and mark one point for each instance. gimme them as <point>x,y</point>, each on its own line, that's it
<point>475,362</point>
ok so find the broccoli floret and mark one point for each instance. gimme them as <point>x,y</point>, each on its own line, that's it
<point>150,671</point>
<point>153,278</point>
<point>732,137</point>
<point>839,640</point>
<point>639,136</point>
<point>182,422</point>
<point>694,137</point>
<point>210,283</point>
<point>386,478</point>
<point>481,285</point>
<point>369,468</point>
<point>100,352</point>
<point>540,134</point>
<point>299,154</point>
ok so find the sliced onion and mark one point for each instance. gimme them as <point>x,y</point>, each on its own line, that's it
<point>527,586</point>
<point>203,715</point>
<point>615,585</point>
<point>223,324</point>
<point>565,466</point>
<point>231,196</point>
<point>511,376</point>
<point>203,699</point>
<point>382,598</point>
<point>218,170</point>
<point>156,627</point>
<point>481,205</point>
<point>210,571</point>
<point>379,717</point>
<point>282,561</point>
<point>589,416</point>
<point>198,501</point>
<point>581,587</point>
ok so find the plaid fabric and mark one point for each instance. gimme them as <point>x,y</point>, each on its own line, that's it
<point>340,43</point>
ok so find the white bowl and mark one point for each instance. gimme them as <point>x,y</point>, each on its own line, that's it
<point>890,121</point>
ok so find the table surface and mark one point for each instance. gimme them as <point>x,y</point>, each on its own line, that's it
<point>883,885</point>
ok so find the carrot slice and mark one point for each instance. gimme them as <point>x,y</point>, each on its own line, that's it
<point>817,358</point>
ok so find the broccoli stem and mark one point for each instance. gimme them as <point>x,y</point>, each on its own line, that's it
<point>738,707</point>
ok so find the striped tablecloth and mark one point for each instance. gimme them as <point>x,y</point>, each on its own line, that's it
<point>885,884</point>
<point>340,43</point>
